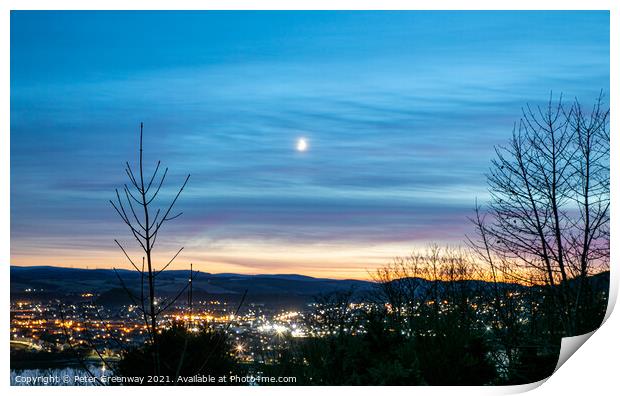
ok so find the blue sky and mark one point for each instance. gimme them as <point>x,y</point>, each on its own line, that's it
<point>401,111</point>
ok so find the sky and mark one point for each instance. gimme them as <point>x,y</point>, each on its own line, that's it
<point>400,112</point>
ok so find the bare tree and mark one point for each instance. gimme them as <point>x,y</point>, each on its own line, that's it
<point>419,288</point>
<point>549,208</point>
<point>589,229</point>
<point>399,284</point>
<point>135,205</point>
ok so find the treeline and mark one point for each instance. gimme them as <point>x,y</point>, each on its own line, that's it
<point>447,329</point>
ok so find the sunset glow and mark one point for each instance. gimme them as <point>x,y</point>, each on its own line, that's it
<point>319,152</point>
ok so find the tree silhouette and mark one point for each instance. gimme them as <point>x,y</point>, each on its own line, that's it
<point>548,218</point>
<point>137,211</point>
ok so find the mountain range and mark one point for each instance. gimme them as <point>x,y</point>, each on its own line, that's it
<point>55,282</point>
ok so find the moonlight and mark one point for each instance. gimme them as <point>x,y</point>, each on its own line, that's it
<point>302,144</point>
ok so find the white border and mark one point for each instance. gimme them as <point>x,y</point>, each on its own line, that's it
<point>592,370</point>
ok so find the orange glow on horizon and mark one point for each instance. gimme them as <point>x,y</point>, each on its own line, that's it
<point>335,261</point>
<point>324,260</point>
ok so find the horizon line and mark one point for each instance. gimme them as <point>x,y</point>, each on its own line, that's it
<point>187,269</point>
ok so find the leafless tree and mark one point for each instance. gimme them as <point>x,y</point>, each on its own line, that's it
<point>399,284</point>
<point>589,228</point>
<point>548,216</point>
<point>416,287</point>
<point>135,205</point>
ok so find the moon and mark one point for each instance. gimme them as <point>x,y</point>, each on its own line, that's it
<point>302,144</point>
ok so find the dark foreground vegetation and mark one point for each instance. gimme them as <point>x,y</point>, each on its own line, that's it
<point>450,331</point>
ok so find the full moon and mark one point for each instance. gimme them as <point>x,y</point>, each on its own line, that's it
<point>302,144</point>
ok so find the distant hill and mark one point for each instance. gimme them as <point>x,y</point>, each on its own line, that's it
<point>59,280</point>
<point>45,282</point>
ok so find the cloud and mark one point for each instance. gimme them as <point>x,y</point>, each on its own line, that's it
<point>401,110</point>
